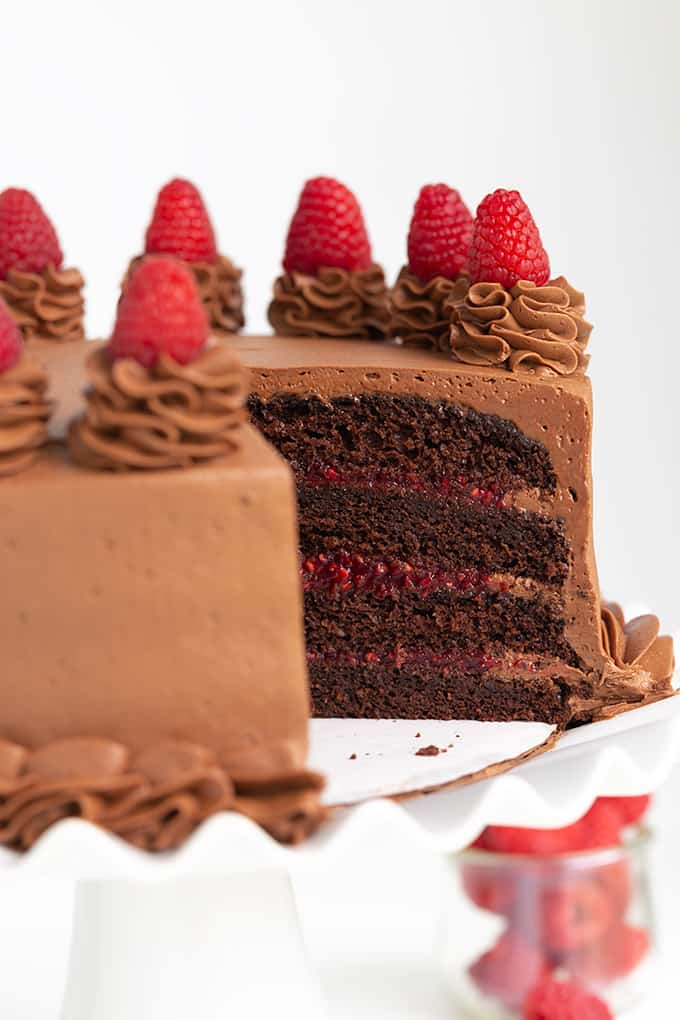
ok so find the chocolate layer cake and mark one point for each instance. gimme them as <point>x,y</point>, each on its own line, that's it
<point>445,533</point>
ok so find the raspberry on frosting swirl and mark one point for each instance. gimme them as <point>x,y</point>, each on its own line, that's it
<point>48,304</point>
<point>421,312</point>
<point>333,302</point>
<point>219,287</point>
<point>154,799</point>
<point>528,328</point>
<point>165,416</point>
<point>24,413</point>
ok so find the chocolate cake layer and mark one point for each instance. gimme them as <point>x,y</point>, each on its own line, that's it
<point>390,692</point>
<point>416,527</point>
<point>405,434</point>
<point>496,622</point>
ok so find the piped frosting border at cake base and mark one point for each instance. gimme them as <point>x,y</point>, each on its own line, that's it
<point>154,799</point>
<point>640,666</point>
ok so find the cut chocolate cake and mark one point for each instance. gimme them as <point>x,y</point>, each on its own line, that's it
<point>445,500</point>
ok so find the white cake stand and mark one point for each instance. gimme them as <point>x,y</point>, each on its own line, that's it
<point>198,932</point>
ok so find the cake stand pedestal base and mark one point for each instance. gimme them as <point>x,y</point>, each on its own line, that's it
<point>188,947</point>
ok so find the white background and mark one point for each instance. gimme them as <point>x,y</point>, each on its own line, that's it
<point>574,104</point>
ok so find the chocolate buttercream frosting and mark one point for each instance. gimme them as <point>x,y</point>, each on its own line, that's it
<point>526,329</point>
<point>421,312</point>
<point>332,303</point>
<point>48,304</point>
<point>154,799</point>
<point>639,666</point>
<point>167,416</point>
<point>24,413</point>
<point>219,286</point>
<point>637,643</point>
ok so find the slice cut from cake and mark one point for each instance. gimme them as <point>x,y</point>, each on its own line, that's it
<point>151,618</point>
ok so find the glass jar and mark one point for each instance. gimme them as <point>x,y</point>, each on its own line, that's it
<point>584,917</point>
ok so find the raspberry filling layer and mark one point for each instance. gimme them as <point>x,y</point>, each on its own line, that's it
<point>344,573</point>
<point>453,661</point>
<point>488,493</point>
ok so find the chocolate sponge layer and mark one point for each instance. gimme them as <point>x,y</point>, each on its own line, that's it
<point>416,528</point>
<point>404,434</point>
<point>377,692</point>
<point>491,622</point>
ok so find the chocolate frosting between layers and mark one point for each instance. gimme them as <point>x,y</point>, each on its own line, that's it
<point>167,416</point>
<point>421,312</point>
<point>333,303</point>
<point>154,799</point>
<point>48,304</point>
<point>24,413</point>
<point>526,329</point>
<point>219,287</point>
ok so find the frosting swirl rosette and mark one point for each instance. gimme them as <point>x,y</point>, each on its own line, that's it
<point>154,799</point>
<point>49,304</point>
<point>219,287</point>
<point>332,302</point>
<point>528,328</point>
<point>421,311</point>
<point>24,413</point>
<point>168,415</point>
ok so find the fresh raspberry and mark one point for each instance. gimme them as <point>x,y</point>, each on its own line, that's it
<point>617,881</point>
<point>507,839</point>
<point>506,245</point>
<point>11,342</point>
<point>561,1000</point>
<point>180,224</point>
<point>490,888</point>
<point>574,913</point>
<point>631,809</point>
<point>440,233</point>
<point>613,957</point>
<point>160,312</point>
<point>600,827</point>
<point>327,229</point>
<point>28,241</point>
<point>509,969</point>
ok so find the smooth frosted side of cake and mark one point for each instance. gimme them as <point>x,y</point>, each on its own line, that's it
<point>144,607</point>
